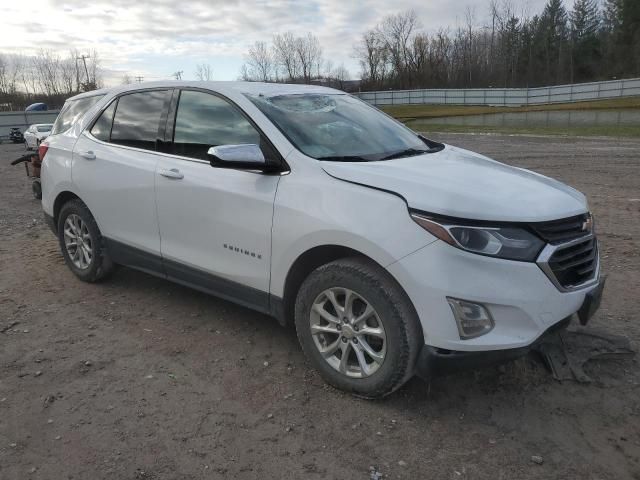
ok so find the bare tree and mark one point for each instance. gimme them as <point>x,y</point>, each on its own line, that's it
<point>309,54</point>
<point>372,55</point>
<point>204,72</point>
<point>244,73</point>
<point>94,65</point>
<point>4,76</point>
<point>259,63</point>
<point>341,75</point>
<point>396,32</point>
<point>284,51</point>
<point>67,75</point>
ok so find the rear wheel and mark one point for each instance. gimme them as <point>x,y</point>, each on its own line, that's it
<point>82,243</point>
<point>358,328</point>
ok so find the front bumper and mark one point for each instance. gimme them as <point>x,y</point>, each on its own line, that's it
<point>522,300</point>
<point>433,361</point>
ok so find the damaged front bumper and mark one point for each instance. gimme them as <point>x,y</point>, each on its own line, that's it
<point>434,361</point>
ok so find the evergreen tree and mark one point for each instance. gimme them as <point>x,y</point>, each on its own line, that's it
<point>585,41</point>
<point>630,35</point>
<point>553,35</point>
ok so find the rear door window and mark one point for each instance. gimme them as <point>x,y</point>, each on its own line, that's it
<point>72,111</point>
<point>137,119</point>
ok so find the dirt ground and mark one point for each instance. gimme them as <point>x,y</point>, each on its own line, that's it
<point>138,378</point>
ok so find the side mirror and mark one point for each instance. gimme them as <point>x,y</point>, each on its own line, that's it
<point>246,157</point>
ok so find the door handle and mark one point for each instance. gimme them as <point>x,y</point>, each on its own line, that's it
<point>173,173</point>
<point>88,155</point>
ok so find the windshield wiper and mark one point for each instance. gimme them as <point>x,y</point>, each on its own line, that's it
<point>344,158</point>
<point>409,152</point>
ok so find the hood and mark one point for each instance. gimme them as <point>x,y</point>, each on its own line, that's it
<point>458,183</point>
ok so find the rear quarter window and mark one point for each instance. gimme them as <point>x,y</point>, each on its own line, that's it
<point>72,111</point>
<point>102,128</point>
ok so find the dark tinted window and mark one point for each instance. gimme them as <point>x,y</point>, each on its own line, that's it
<point>102,128</point>
<point>204,120</point>
<point>72,111</point>
<point>137,119</point>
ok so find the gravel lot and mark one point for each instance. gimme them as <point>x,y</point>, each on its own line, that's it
<point>138,378</point>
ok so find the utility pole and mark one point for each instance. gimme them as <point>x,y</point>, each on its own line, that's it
<point>178,74</point>
<point>84,61</point>
<point>77,76</point>
<point>139,78</point>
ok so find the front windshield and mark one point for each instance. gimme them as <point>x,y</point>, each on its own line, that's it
<point>338,127</point>
<point>44,128</point>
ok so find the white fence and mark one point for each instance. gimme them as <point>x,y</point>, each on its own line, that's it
<point>507,96</point>
<point>22,120</point>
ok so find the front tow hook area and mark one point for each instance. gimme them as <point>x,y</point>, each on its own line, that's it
<point>566,352</point>
<point>563,352</point>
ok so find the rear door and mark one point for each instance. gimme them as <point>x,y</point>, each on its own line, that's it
<point>215,223</point>
<point>114,165</point>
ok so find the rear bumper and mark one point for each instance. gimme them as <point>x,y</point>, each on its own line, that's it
<point>436,361</point>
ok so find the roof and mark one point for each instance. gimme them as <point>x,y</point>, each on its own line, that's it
<point>251,88</point>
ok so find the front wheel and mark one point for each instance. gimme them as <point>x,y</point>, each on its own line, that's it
<point>358,328</point>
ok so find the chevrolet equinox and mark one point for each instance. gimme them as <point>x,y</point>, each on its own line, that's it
<point>391,253</point>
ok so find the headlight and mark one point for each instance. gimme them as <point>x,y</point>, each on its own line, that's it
<point>512,243</point>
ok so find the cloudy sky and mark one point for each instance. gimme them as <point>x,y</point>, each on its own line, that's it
<point>154,38</point>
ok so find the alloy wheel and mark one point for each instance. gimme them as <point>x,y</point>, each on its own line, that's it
<point>77,241</point>
<point>348,332</point>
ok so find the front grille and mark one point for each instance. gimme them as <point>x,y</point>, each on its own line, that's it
<point>564,230</point>
<point>575,264</point>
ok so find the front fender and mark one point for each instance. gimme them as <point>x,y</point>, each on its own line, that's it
<point>313,210</point>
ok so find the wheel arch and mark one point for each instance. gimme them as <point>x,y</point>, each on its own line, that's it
<point>62,198</point>
<point>306,263</point>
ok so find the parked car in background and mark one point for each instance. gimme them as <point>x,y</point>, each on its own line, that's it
<point>392,254</point>
<point>36,133</point>
<point>15,135</point>
<point>37,107</point>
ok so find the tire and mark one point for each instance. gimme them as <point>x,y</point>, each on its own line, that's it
<point>365,283</point>
<point>100,264</point>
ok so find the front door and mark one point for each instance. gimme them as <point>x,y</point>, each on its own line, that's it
<point>215,223</point>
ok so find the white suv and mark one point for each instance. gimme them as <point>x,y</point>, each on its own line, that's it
<point>391,253</point>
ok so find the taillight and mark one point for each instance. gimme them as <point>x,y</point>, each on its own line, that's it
<point>42,151</point>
